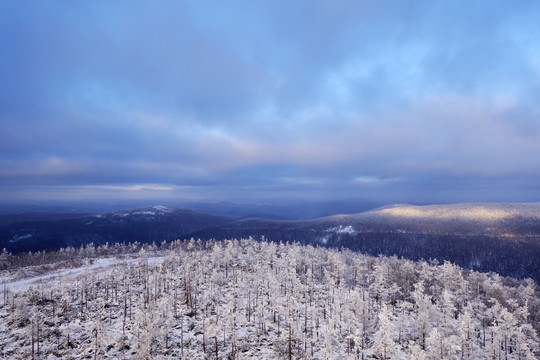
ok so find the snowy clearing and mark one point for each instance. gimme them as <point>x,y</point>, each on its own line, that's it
<point>23,279</point>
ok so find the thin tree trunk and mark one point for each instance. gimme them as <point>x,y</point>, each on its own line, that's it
<point>290,343</point>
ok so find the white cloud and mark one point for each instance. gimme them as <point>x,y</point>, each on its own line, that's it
<point>376,180</point>
<point>135,187</point>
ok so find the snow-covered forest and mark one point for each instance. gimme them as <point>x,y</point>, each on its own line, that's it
<point>241,299</point>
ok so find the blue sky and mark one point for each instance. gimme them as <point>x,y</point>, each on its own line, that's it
<point>253,101</point>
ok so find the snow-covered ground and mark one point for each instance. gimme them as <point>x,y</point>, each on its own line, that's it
<point>151,211</point>
<point>23,279</point>
<point>472,212</point>
<point>341,229</point>
<point>242,299</point>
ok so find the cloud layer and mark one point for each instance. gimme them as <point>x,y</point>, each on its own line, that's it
<point>394,101</point>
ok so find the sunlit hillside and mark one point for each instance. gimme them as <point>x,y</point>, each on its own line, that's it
<point>488,212</point>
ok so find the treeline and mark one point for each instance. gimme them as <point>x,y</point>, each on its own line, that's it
<point>75,256</point>
<point>515,256</point>
<point>241,299</point>
<point>518,258</point>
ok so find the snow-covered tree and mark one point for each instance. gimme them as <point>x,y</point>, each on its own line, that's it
<point>384,345</point>
<point>247,299</point>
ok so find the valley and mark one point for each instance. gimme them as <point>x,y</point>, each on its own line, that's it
<point>498,237</point>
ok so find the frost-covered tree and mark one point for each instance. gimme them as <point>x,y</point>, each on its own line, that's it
<point>384,345</point>
<point>247,299</point>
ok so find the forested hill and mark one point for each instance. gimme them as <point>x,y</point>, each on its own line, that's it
<point>504,238</point>
<point>241,299</point>
<point>36,232</point>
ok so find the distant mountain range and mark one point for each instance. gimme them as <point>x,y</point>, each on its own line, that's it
<point>501,237</point>
<point>34,232</point>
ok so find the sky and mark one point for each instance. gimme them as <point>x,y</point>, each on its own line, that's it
<point>269,101</point>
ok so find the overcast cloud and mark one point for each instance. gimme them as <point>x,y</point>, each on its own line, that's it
<point>265,101</point>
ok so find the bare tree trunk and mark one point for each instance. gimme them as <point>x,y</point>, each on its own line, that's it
<point>182,337</point>
<point>125,314</point>
<point>215,342</point>
<point>290,343</point>
<point>37,328</point>
<point>32,336</point>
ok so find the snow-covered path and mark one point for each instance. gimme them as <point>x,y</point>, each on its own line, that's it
<point>15,284</point>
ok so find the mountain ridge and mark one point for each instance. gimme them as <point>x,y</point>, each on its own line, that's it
<point>502,237</point>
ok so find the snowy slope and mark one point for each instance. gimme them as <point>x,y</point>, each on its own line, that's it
<point>241,299</point>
